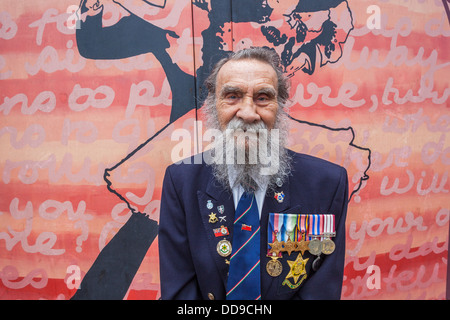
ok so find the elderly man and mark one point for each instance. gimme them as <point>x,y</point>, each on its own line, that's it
<point>229,229</point>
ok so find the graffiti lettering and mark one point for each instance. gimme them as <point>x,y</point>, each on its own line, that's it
<point>143,94</point>
<point>37,278</point>
<point>45,101</point>
<point>86,131</point>
<point>45,241</point>
<point>8,28</point>
<point>33,136</point>
<point>405,251</point>
<point>50,16</point>
<point>376,226</point>
<point>412,122</point>
<point>409,279</point>
<point>397,156</point>
<point>49,61</point>
<point>344,96</point>
<point>434,187</point>
<point>29,170</point>
<point>99,98</point>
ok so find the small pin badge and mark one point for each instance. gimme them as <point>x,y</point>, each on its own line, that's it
<point>221,209</point>
<point>209,205</point>
<point>279,196</point>
<point>213,218</point>
<point>220,232</point>
<point>279,182</point>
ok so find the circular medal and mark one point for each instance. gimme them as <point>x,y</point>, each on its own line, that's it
<point>328,246</point>
<point>315,247</point>
<point>274,268</point>
<point>224,248</point>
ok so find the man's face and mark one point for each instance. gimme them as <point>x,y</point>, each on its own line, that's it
<point>247,90</point>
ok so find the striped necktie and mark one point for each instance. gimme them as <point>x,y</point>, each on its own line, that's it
<point>244,281</point>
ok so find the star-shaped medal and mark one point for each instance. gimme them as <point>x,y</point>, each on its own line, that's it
<point>302,246</point>
<point>276,246</point>
<point>298,268</point>
<point>289,246</point>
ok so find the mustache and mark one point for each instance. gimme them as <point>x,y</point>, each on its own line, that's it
<point>236,124</point>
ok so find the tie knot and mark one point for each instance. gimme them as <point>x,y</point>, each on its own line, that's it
<point>249,194</point>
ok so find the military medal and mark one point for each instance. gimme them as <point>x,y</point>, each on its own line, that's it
<point>273,231</point>
<point>328,245</point>
<point>224,248</point>
<point>276,247</point>
<point>315,246</point>
<point>314,231</point>
<point>274,267</point>
<point>291,222</point>
<point>302,227</point>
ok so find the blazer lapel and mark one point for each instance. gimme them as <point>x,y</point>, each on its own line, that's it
<point>219,202</point>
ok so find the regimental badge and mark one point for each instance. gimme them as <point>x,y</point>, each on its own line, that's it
<point>213,218</point>
<point>224,248</point>
<point>297,270</point>
<point>222,231</point>
<point>279,196</point>
<point>209,205</point>
<point>221,209</point>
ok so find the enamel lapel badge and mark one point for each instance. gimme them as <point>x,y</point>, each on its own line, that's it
<point>279,196</point>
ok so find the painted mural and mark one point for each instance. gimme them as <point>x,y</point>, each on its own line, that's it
<point>92,93</point>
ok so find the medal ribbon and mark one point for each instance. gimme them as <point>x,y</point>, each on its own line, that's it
<point>329,225</point>
<point>290,224</point>
<point>302,226</point>
<point>279,226</point>
<point>315,226</point>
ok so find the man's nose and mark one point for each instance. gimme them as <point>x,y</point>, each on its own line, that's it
<point>247,110</point>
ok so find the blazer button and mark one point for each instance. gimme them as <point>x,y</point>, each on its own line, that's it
<point>210,296</point>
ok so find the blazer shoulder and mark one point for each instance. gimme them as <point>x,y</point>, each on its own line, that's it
<point>314,165</point>
<point>189,169</point>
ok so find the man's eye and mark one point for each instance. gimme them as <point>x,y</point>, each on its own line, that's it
<point>232,96</point>
<point>262,98</point>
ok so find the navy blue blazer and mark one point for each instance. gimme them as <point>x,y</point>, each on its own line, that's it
<point>191,268</point>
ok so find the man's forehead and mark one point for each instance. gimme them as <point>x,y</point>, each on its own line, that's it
<point>242,72</point>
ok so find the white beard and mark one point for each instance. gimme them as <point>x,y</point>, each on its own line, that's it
<point>252,155</point>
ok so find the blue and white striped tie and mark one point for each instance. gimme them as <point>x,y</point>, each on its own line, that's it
<point>244,281</point>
